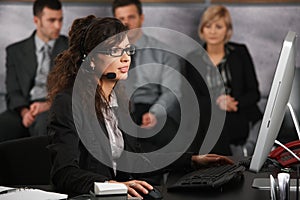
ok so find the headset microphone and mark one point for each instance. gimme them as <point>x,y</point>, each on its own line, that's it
<point>110,75</point>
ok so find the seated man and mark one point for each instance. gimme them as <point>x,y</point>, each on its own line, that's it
<point>28,63</point>
<point>156,86</point>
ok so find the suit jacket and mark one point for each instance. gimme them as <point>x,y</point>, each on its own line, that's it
<point>76,165</point>
<point>244,82</point>
<point>21,65</point>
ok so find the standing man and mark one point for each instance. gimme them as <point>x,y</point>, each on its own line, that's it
<point>28,63</point>
<point>154,66</point>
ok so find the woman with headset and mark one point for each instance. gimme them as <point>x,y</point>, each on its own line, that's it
<point>88,144</point>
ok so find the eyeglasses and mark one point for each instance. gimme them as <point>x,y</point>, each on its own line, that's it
<point>117,51</point>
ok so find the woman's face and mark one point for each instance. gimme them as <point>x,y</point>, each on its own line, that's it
<point>118,65</point>
<point>214,32</point>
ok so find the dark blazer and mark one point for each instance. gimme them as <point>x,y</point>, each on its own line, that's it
<point>244,82</point>
<point>75,167</point>
<point>244,87</point>
<point>21,65</point>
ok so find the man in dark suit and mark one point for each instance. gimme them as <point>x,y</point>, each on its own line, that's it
<point>28,63</point>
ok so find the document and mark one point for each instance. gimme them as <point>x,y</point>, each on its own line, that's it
<point>8,193</point>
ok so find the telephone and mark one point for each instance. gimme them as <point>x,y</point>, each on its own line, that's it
<point>283,156</point>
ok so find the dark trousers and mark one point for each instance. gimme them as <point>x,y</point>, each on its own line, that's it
<point>11,126</point>
<point>158,140</point>
<point>155,142</point>
<point>235,131</point>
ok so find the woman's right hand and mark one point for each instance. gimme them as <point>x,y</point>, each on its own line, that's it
<point>136,188</point>
<point>210,160</point>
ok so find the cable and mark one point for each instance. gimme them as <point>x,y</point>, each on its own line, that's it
<point>297,181</point>
<point>290,151</point>
<point>294,119</point>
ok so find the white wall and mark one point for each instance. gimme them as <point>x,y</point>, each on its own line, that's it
<point>261,27</point>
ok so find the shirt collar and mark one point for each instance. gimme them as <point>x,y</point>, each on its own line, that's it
<point>113,100</point>
<point>40,43</point>
<point>142,41</point>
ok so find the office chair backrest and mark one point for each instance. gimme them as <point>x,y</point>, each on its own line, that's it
<point>25,161</point>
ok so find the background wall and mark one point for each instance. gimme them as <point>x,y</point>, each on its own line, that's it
<point>262,27</point>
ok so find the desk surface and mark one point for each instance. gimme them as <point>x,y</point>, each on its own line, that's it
<point>242,191</point>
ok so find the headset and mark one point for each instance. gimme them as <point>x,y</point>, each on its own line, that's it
<point>109,75</point>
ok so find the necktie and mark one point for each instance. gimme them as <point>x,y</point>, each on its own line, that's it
<point>39,91</point>
<point>45,64</point>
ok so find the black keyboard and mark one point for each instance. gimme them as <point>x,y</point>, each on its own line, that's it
<point>213,177</point>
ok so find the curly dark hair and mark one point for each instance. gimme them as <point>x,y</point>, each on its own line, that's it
<point>84,37</point>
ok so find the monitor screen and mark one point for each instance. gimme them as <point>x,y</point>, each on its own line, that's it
<point>277,102</point>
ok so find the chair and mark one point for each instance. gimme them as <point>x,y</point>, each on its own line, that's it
<point>25,161</point>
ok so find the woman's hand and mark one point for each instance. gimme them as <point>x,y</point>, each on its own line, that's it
<point>136,187</point>
<point>227,103</point>
<point>210,159</point>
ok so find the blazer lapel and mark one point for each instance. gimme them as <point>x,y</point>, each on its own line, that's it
<point>28,65</point>
<point>59,46</point>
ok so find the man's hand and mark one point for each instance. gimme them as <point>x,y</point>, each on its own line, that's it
<point>39,107</point>
<point>210,159</point>
<point>148,120</point>
<point>27,117</point>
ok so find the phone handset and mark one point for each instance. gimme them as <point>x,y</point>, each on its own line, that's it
<point>283,156</point>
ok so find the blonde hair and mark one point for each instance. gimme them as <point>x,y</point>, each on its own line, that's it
<point>213,13</point>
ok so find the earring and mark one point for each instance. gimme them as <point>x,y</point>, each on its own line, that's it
<point>93,66</point>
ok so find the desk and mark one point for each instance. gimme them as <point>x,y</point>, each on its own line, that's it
<point>242,191</point>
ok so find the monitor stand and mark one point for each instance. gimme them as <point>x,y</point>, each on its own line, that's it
<point>264,184</point>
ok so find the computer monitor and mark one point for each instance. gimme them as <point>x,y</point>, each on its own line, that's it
<point>277,102</point>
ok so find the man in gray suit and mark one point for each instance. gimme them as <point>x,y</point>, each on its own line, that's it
<point>28,63</point>
<point>159,97</point>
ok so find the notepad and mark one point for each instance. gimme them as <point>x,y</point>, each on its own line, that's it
<point>30,194</point>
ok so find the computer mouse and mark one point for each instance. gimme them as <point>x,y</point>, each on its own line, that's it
<point>153,195</point>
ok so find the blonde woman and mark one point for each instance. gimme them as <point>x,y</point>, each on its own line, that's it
<point>234,63</point>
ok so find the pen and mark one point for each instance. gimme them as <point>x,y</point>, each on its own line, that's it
<point>9,191</point>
